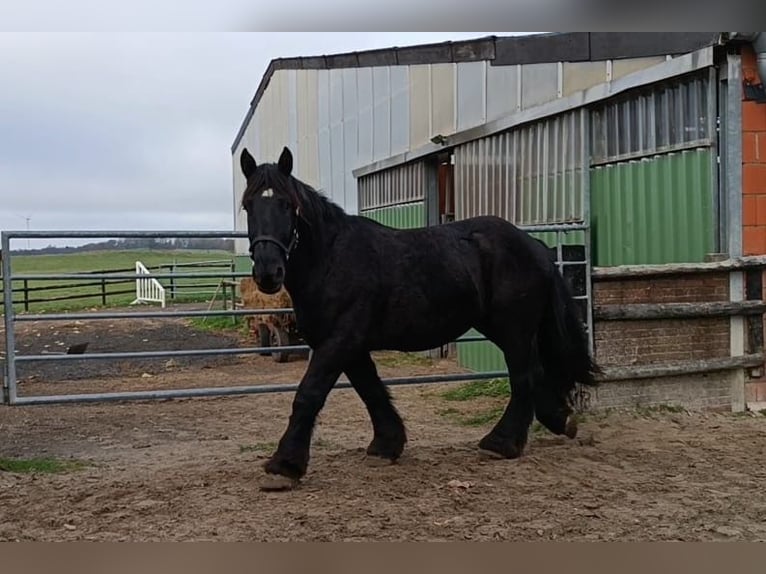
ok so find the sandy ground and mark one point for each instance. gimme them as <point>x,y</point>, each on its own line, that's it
<point>189,469</point>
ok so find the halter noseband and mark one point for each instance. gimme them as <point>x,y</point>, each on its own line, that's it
<point>286,249</point>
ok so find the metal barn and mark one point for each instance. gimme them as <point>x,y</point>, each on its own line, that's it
<point>640,158</point>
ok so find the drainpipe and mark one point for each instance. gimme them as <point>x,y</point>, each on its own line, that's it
<point>758,40</point>
<point>759,44</point>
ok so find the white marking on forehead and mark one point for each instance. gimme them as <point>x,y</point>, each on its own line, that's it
<point>267,193</point>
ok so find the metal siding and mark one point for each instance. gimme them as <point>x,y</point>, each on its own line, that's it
<point>336,97</point>
<point>480,356</point>
<point>337,164</point>
<point>337,147</point>
<point>502,91</point>
<point>264,130</point>
<point>302,104</point>
<point>442,99</point>
<point>309,136</point>
<point>280,120</point>
<point>669,116</point>
<point>251,139</point>
<point>623,67</point>
<point>653,210</point>
<point>404,184</point>
<point>420,105</point>
<point>530,175</point>
<point>381,90</point>
<point>653,197</point>
<point>409,216</point>
<point>350,139</point>
<point>400,109</point>
<point>291,103</point>
<point>365,102</point>
<point>471,94</point>
<point>323,121</point>
<point>580,76</point>
<point>539,84</point>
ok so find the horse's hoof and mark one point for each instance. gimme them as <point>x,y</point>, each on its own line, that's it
<point>377,461</point>
<point>570,429</point>
<point>492,447</point>
<point>490,454</point>
<point>277,482</point>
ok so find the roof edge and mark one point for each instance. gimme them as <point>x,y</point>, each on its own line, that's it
<point>499,51</point>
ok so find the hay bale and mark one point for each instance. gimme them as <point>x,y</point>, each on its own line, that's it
<point>252,298</point>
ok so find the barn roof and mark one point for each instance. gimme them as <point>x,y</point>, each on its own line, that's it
<point>499,51</point>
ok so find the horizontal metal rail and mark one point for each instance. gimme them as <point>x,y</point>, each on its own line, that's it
<point>241,390</point>
<point>90,276</point>
<point>159,354</point>
<point>181,353</point>
<point>148,314</point>
<point>123,234</point>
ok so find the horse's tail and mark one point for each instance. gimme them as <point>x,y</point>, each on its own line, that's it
<point>563,342</point>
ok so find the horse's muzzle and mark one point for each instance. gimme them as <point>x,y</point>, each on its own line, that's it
<point>270,283</point>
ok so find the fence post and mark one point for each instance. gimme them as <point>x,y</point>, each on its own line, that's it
<point>26,295</point>
<point>103,292</point>
<point>173,281</point>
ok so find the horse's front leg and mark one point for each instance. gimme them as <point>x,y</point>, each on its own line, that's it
<point>290,461</point>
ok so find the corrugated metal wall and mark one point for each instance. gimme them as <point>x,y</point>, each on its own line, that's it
<point>395,197</point>
<point>407,216</point>
<point>341,119</point>
<point>653,210</point>
<point>653,191</point>
<point>403,184</point>
<point>530,175</point>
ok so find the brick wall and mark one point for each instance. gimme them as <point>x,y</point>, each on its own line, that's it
<point>624,343</point>
<point>700,392</point>
<point>753,164</point>
<point>692,288</point>
<point>753,186</point>
<point>663,341</point>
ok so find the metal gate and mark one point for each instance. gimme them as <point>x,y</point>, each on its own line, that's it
<point>11,394</point>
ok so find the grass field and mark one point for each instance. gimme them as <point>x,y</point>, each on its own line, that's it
<point>55,299</point>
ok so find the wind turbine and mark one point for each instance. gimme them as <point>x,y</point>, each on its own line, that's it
<point>27,218</point>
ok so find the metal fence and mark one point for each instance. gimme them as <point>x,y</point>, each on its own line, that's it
<point>12,357</point>
<point>30,295</point>
<point>27,295</point>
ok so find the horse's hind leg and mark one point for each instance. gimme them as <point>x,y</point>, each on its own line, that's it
<point>509,436</point>
<point>389,434</point>
<point>553,409</point>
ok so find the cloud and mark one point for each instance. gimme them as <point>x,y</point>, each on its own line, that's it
<point>133,131</point>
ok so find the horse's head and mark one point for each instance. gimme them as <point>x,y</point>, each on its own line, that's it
<point>272,210</point>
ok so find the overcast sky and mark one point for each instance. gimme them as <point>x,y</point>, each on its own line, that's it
<point>133,131</point>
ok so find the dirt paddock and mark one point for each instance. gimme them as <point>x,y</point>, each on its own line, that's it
<point>189,469</point>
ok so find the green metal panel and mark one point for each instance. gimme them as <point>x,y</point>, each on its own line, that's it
<point>481,356</point>
<point>569,238</point>
<point>407,216</point>
<point>653,210</point>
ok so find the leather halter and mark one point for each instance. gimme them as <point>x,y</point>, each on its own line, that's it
<point>286,249</point>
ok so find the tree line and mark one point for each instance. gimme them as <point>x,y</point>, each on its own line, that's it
<point>134,243</point>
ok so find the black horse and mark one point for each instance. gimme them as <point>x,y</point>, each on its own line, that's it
<point>358,286</point>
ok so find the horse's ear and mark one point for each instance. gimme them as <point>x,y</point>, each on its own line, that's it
<point>285,162</point>
<point>247,163</point>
